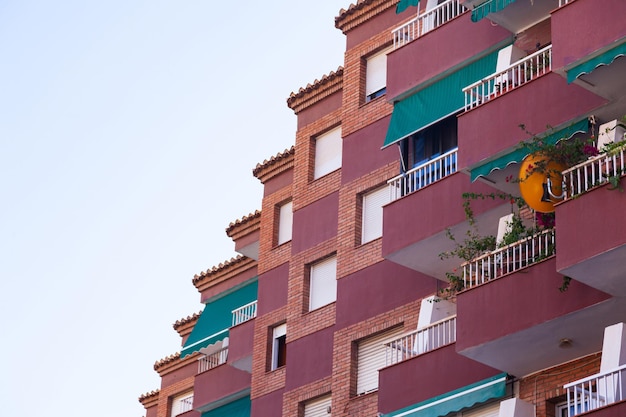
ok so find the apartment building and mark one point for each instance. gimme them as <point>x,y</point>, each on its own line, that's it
<point>337,303</point>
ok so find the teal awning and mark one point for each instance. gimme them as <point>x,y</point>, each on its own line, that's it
<point>605,58</point>
<point>456,400</point>
<point>436,101</point>
<point>404,4</point>
<point>491,6</point>
<point>237,408</point>
<point>520,153</point>
<point>216,318</point>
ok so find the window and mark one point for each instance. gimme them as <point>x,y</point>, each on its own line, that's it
<point>327,153</point>
<point>429,143</point>
<point>319,407</point>
<point>279,346</point>
<point>489,410</point>
<point>371,358</point>
<point>285,222</point>
<point>323,283</point>
<point>376,75</point>
<point>372,217</point>
<point>182,403</point>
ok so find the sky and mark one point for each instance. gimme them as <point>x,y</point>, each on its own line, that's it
<point>129,130</point>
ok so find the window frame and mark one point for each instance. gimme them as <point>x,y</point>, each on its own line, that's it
<point>372,203</point>
<point>284,231</point>
<point>317,407</point>
<point>370,354</point>
<point>279,347</point>
<point>376,74</point>
<point>328,152</point>
<point>181,404</point>
<point>322,282</point>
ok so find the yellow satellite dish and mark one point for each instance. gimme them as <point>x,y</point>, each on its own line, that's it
<point>534,185</point>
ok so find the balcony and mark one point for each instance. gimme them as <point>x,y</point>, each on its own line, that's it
<point>511,15</point>
<point>244,313</point>
<point>596,391</point>
<point>527,305</point>
<point>218,384</point>
<point>596,171</point>
<point>420,341</point>
<point>588,52</point>
<point>207,362</point>
<point>430,20</point>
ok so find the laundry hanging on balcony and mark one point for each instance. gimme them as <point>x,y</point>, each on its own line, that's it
<point>605,58</point>
<point>404,4</point>
<point>493,6</point>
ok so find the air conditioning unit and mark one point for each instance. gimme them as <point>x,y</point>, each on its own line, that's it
<point>610,132</point>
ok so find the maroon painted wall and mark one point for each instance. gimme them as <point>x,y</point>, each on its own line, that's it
<point>319,109</point>
<point>247,240</point>
<point>241,340</point>
<point>517,302</point>
<point>494,126</point>
<point>430,210</point>
<point>426,376</point>
<point>186,371</point>
<point>362,153</point>
<point>268,405</point>
<point>372,27</point>
<point>601,225</point>
<point>223,286</point>
<point>190,413</point>
<point>613,410</point>
<point>276,183</point>
<point>152,411</point>
<point>377,289</point>
<point>582,27</point>
<point>463,39</point>
<point>231,381</point>
<point>315,223</point>
<point>272,293</point>
<point>309,358</point>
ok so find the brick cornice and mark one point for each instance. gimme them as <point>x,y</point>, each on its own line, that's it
<point>149,399</point>
<point>361,12</point>
<point>274,166</point>
<point>185,326</point>
<point>244,226</point>
<point>319,90</point>
<point>174,362</point>
<point>223,272</point>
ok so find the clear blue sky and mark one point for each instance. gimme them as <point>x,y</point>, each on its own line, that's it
<point>128,134</point>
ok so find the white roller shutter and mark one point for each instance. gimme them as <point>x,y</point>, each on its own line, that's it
<point>327,153</point>
<point>323,280</point>
<point>182,403</point>
<point>376,73</point>
<point>372,225</point>
<point>371,358</point>
<point>285,223</point>
<point>318,407</point>
<point>491,410</point>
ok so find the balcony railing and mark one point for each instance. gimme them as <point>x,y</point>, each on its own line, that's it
<point>423,24</point>
<point>508,259</point>
<point>595,171</point>
<point>213,360</point>
<point>244,313</point>
<point>421,341</point>
<point>595,391</point>
<point>423,175</point>
<point>515,75</point>
<point>564,2</point>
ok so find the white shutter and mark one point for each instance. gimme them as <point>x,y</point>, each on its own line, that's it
<point>372,227</point>
<point>327,152</point>
<point>318,407</point>
<point>376,73</point>
<point>182,403</point>
<point>323,279</point>
<point>491,410</point>
<point>285,223</point>
<point>371,358</point>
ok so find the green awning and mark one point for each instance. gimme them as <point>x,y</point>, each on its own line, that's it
<point>520,153</point>
<point>605,58</point>
<point>237,408</point>
<point>491,6</point>
<point>436,101</point>
<point>404,4</point>
<point>216,318</point>
<point>453,401</point>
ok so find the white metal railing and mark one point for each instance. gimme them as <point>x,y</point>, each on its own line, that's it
<point>564,2</point>
<point>185,404</point>
<point>513,76</point>
<point>244,313</point>
<point>508,259</point>
<point>426,22</point>
<point>596,391</point>
<point>423,175</point>
<point>595,171</point>
<point>421,341</point>
<point>212,360</point>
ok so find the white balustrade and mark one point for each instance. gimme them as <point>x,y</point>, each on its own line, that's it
<point>426,22</point>
<point>564,2</point>
<point>595,171</point>
<point>596,391</point>
<point>423,175</point>
<point>516,74</point>
<point>213,360</point>
<point>244,313</point>
<point>421,341</point>
<point>508,259</point>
